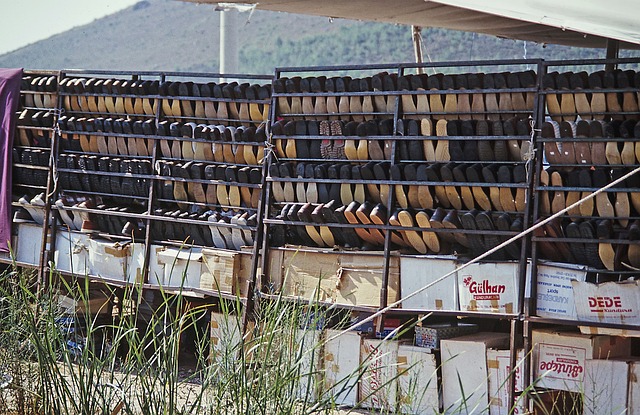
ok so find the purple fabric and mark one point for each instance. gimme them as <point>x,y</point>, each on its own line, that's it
<point>10,80</point>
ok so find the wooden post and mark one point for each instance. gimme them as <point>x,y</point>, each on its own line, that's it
<point>613,47</point>
<point>416,35</point>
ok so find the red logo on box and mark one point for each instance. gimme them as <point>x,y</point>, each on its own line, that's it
<point>570,367</point>
<point>484,290</point>
<point>603,304</point>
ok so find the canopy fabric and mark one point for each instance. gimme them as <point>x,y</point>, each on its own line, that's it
<point>583,23</point>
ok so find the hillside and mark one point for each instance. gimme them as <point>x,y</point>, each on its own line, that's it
<point>171,35</point>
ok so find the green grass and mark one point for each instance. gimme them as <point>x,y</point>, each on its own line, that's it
<point>130,363</point>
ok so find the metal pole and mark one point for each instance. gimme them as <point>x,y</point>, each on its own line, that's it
<point>613,47</point>
<point>228,42</point>
<point>416,34</point>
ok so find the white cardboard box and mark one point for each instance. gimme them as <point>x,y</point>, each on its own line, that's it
<point>226,338</point>
<point>341,360</point>
<point>29,243</point>
<point>605,387</point>
<point>220,269</point>
<point>559,358</point>
<point>379,383</point>
<point>465,373</point>
<point>499,371</point>
<point>490,287</point>
<point>156,268</point>
<point>72,252</point>
<point>307,343</point>
<point>182,267</point>
<point>633,401</point>
<point>417,381</point>
<point>609,302</point>
<point>554,290</point>
<point>116,261</point>
<point>419,271</point>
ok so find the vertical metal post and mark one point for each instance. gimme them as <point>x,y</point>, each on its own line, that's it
<point>49,226</point>
<point>228,42</point>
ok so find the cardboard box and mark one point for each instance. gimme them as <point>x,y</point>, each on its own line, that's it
<point>559,358</point>
<point>465,372</point>
<point>29,243</point>
<point>226,340</point>
<point>182,267</point>
<point>417,381</point>
<point>307,347</point>
<point>489,287</point>
<point>633,400</point>
<point>499,372</point>
<point>430,335</point>
<point>554,294</point>
<point>219,270</point>
<point>72,252</point>
<point>156,268</point>
<point>351,279</point>
<point>96,303</point>
<point>554,402</point>
<point>609,302</point>
<point>340,364</point>
<point>115,260</point>
<point>419,271</point>
<point>605,387</point>
<point>379,383</point>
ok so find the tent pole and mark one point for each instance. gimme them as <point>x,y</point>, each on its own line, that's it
<point>613,47</point>
<point>416,35</point>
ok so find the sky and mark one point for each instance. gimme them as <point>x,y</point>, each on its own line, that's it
<point>27,21</point>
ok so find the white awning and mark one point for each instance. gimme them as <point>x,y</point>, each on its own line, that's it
<point>584,23</point>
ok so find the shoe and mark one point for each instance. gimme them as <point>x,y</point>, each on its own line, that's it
<point>491,99</point>
<point>473,174</point>
<point>333,173</point>
<point>489,176</point>
<point>604,207</point>
<point>400,192</point>
<point>466,193</point>
<point>364,216</point>
<point>405,218</point>
<point>491,240</point>
<point>572,230</point>
<point>442,152</point>
<point>347,235</point>
<point>614,107</point>
<point>606,251</point>
<point>451,221</point>
<point>425,197</point>
<point>307,233</point>
<point>507,200</point>
<point>350,214</point>
<point>552,99</point>
<point>622,205</point>
<point>455,146</point>
<point>430,238</point>
<point>476,240</point>
<point>446,173</point>
<point>435,221</point>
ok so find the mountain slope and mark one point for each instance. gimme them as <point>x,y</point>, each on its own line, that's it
<point>169,35</point>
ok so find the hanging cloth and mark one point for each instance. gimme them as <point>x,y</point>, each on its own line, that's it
<point>10,80</point>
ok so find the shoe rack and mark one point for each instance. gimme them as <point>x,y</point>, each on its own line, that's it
<point>588,139</point>
<point>404,160</point>
<point>392,161</point>
<point>35,132</point>
<point>173,159</point>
